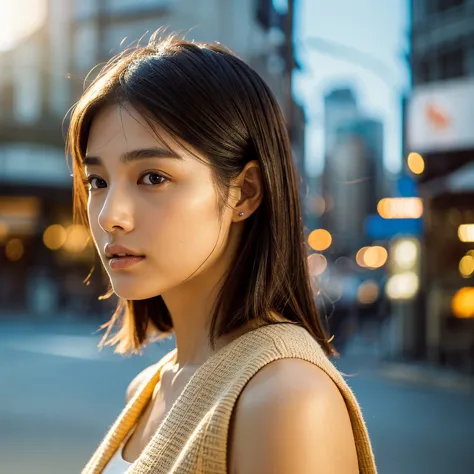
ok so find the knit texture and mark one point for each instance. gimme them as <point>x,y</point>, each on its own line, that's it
<point>192,439</point>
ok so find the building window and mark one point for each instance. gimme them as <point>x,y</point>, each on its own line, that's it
<point>447,4</point>
<point>436,6</point>
<point>452,64</point>
<point>425,71</point>
<point>423,68</point>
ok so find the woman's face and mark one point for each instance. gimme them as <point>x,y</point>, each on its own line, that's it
<point>155,200</point>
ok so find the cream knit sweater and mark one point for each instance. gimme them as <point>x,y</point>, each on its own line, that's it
<point>192,439</point>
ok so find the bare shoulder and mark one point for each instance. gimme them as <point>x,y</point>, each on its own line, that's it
<point>291,417</point>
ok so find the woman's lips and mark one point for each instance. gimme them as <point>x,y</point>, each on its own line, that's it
<point>119,263</point>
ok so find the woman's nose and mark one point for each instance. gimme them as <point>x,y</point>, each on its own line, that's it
<point>116,213</point>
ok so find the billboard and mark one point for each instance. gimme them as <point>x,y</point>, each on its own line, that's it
<point>441,117</point>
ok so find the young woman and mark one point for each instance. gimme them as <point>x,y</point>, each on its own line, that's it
<point>183,171</point>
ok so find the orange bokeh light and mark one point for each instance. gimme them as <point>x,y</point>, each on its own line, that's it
<point>319,240</point>
<point>463,303</point>
<point>400,208</point>
<point>372,257</point>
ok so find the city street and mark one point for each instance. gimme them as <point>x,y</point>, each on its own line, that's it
<point>58,395</point>
<point>346,127</point>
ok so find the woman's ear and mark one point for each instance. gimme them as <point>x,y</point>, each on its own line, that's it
<point>250,184</point>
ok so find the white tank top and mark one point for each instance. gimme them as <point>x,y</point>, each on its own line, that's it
<point>117,464</point>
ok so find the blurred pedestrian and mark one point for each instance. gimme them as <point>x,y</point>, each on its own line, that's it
<point>183,170</point>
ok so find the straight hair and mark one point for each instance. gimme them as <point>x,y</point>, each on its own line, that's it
<point>204,96</point>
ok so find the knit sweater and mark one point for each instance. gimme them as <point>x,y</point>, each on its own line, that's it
<point>192,439</point>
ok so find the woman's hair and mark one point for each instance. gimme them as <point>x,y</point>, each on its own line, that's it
<point>206,97</point>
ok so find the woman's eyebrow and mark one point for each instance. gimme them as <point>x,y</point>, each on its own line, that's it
<point>134,155</point>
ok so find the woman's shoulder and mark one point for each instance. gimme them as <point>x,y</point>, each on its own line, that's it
<point>145,375</point>
<point>291,380</point>
<point>296,414</point>
<point>139,380</point>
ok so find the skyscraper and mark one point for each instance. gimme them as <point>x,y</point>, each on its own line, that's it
<point>339,105</point>
<point>353,174</point>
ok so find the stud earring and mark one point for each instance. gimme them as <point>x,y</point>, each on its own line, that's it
<point>241,214</point>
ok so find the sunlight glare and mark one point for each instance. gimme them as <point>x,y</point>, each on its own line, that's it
<point>15,25</point>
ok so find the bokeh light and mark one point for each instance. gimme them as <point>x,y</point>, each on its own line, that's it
<point>54,236</point>
<point>416,163</point>
<point>402,286</point>
<point>462,303</point>
<point>360,256</point>
<point>77,238</point>
<point>372,257</point>
<point>14,249</point>
<point>317,264</point>
<point>405,253</point>
<point>375,257</point>
<point>319,240</point>
<point>400,208</point>
<point>466,233</point>
<point>466,266</point>
<point>317,206</point>
<point>368,292</point>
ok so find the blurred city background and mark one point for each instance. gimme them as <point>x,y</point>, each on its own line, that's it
<point>379,101</point>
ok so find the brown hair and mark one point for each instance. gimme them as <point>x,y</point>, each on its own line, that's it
<point>205,96</point>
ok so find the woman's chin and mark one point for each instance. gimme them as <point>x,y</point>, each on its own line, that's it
<point>129,292</point>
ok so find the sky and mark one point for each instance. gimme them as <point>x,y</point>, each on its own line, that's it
<point>372,27</point>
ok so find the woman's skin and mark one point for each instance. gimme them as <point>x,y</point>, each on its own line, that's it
<point>291,417</point>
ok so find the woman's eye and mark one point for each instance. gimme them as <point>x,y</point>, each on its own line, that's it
<point>153,179</point>
<point>96,183</point>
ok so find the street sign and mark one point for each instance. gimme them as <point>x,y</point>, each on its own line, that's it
<point>406,187</point>
<point>377,227</point>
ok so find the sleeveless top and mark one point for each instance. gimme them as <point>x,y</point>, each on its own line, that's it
<point>192,438</point>
<point>117,464</point>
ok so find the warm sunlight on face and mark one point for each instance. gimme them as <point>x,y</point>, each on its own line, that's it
<point>15,24</point>
<point>159,205</point>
